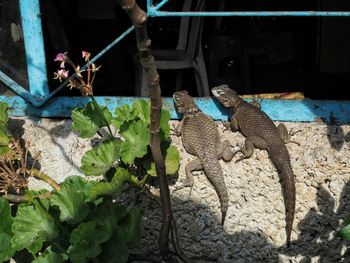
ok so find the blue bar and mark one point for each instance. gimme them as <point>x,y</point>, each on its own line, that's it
<point>279,110</point>
<point>159,5</point>
<point>34,47</point>
<point>15,87</point>
<point>154,13</point>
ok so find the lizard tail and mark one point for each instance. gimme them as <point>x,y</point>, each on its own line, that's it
<point>284,168</point>
<point>215,176</point>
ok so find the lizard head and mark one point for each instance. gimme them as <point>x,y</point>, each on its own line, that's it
<point>228,97</point>
<point>183,102</point>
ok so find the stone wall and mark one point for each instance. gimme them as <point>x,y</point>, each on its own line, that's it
<point>254,230</point>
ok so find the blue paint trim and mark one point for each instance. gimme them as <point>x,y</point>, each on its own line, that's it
<point>13,85</point>
<point>278,110</point>
<point>151,8</point>
<point>154,13</point>
<point>34,46</point>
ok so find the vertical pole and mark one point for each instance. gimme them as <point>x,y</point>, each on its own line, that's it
<point>34,47</point>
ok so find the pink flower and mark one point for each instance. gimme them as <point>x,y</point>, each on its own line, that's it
<point>61,57</point>
<point>61,74</point>
<point>85,55</point>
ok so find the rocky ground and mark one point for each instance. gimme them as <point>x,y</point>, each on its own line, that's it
<point>254,230</point>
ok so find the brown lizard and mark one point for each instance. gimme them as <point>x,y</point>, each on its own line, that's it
<point>261,133</point>
<point>200,137</point>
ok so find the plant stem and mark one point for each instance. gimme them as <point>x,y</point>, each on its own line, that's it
<point>23,198</point>
<point>44,177</point>
<point>139,19</point>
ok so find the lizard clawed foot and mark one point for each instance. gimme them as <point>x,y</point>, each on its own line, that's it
<point>184,185</point>
<point>290,134</point>
<point>174,131</point>
<point>297,143</point>
<point>256,102</point>
<point>227,125</point>
<point>241,158</point>
<point>190,185</point>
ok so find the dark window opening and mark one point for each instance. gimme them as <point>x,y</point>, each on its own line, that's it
<point>12,54</point>
<point>252,54</point>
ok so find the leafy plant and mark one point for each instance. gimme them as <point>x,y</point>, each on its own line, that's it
<point>80,221</point>
<point>345,232</point>
<point>132,123</point>
<point>69,225</point>
<point>4,134</point>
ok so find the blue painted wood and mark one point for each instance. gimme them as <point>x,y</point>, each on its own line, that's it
<point>279,110</point>
<point>34,47</point>
<point>154,13</point>
<point>14,86</point>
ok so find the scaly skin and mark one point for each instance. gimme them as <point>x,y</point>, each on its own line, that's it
<point>261,133</point>
<point>200,137</point>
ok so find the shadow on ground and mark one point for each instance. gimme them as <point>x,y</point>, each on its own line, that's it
<point>205,240</point>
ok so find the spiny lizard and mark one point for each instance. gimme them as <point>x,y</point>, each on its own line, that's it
<point>200,137</point>
<point>262,133</point>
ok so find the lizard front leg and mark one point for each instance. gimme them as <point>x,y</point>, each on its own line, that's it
<point>194,165</point>
<point>255,102</point>
<point>224,151</point>
<point>232,124</point>
<point>251,142</point>
<point>177,129</point>
<point>285,135</point>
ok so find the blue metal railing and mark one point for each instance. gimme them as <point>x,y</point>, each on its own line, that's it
<point>31,102</point>
<point>153,11</point>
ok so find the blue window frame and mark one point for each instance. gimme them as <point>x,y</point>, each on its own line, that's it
<point>39,101</point>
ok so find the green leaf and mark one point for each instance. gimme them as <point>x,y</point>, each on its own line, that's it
<point>126,235</point>
<point>71,199</point>
<point>114,187</point>
<point>85,241</point>
<point>142,110</point>
<point>131,227</point>
<point>123,114</point>
<point>4,134</point>
<point>31,194</point>
<point>164,124</point>
<point>4,117</point>
<point>345,232</point>
<point>4,139</point>
<point>31,227</point>
<point>6,250</point>
<point>5,215</point>
<point>172,158</point>
<point>108,210</point>
<point>88,120</point>
<point>114,250</point>
<point>137,138</point>
<point>49,257</point>
<point>99,160</point>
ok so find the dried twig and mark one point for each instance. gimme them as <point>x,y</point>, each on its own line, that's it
<point>24,198</point>
<point>139,19</point>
